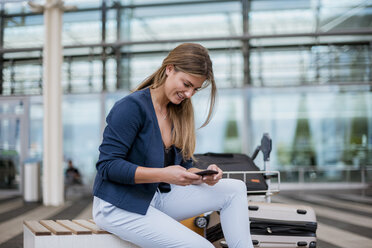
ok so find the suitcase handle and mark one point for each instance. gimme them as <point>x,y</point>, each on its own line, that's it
<point>255,153</point>
<point>265,147</point>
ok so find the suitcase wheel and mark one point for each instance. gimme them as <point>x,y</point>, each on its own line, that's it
<point>312,244</point>
<point>223,244</point>
<point>201,222</point>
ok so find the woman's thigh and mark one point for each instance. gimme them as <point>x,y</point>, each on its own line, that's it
<point>155,229</point>
<point>184,202</point>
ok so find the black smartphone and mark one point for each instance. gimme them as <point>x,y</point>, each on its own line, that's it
<point>206,172</point>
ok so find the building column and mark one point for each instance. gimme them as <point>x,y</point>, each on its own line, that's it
<point>53,184</point>
<point>2,27</point>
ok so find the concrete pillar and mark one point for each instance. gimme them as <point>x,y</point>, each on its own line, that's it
<point>52,97</point>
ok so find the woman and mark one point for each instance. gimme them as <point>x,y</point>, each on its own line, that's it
<point>145,180</point>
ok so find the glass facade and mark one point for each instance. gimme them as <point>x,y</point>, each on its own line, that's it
<point>300,70</point>
<point>308,66</point>
<point>13,136</point>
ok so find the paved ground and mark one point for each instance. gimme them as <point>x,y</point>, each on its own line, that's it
<point>344,218</point>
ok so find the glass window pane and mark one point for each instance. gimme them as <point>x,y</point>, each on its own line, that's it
<point>81,132</point>
<point>183,21</point>
<point>160,1</point>
<point>111,26</point>
<point>23,77</point>
<point>313,127</point>
<point>345,39</point>
<point>227,64</point>
<point>16,8</point>
<point>10,152</point>
<point>12,107</point>
<point>226,130</point>
<point>143,65</point>
<point>344,14</point>
<point>24,31</point>
<point>35,149</point>
<point>81,4</point>
<point>279,67</point>
<point>312,65</point>
<point>81,28</point>
<point>111,77</point>
<point>342,63</point>
<point>228,68</point>
<point>281,16</point>
<point>82,75</point>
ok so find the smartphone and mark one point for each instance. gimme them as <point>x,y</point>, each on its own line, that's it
<point>206,172</point>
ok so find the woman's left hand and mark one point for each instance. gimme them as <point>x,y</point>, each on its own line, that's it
<point>213,179</point>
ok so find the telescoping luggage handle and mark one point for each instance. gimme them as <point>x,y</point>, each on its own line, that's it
<point>265,147</point>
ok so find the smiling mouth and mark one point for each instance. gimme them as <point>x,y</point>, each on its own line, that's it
<point>180,96</point>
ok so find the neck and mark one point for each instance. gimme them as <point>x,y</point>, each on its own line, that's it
<point>159,97</point>
<point>160,101</point>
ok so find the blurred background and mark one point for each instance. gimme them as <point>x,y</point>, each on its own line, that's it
<point>300,70</point>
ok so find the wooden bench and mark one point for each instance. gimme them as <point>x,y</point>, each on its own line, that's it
<point>71,234</point>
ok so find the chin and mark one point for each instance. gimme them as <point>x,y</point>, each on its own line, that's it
<point>176,100</point>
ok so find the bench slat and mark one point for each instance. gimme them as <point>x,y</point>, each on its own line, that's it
<point>75,228</point>
<point>93,227</point>
<point>55,228</point>
<point>36,228</point>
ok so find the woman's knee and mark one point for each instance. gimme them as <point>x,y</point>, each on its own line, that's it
<point>234,186</point>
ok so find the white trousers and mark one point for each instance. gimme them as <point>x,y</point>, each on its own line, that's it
<point>160,227</point>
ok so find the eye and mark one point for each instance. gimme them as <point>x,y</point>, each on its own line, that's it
<point>186,85</point>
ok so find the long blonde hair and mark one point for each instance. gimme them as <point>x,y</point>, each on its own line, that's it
<point>192,59</point>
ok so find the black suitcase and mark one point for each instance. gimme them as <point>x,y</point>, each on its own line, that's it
<point>234,162</point>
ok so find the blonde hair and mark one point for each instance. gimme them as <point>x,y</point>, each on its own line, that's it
<point>192,59</point>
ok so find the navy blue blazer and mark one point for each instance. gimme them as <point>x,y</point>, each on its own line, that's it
<point>131,138</point>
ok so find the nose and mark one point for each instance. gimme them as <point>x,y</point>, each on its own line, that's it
<point>189,93</point>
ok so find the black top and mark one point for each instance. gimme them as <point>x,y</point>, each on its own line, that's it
<point>169,157</point>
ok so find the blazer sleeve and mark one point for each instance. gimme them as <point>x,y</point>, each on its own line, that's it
<point>123,123</point>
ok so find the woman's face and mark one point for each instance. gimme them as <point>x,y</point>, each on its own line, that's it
<point>180,85</point>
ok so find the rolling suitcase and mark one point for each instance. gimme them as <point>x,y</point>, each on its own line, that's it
<point>274,225</point>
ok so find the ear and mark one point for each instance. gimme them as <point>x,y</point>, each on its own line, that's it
<point>169,69</point>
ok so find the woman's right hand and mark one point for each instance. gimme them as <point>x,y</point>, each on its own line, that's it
<point>178,175</point>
